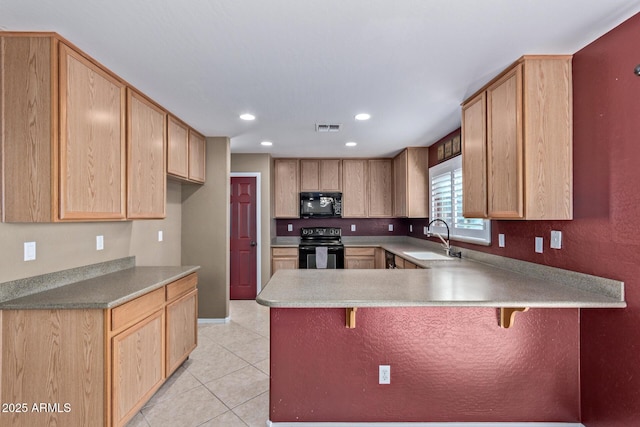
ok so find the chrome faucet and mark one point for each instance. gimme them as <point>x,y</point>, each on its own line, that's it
<point>445,243</point>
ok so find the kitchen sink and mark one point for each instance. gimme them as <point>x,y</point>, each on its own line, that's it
<point>428,256</point>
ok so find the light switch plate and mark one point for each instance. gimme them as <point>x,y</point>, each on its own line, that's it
<point>160,236</point>
<point>501,240</point>
<point>539,244</point>
<point>289,227</point>
<point>556,239</point>
<point>29,251</point>
<point>99,243</point>
<point>410,228</point>
<point>390,227</point>
<point>353,227</point>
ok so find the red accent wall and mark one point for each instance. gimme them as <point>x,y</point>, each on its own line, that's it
<point>604,238</point>
<point>447,365</point>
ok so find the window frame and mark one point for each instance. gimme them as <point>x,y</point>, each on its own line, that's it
<point>478,237</point>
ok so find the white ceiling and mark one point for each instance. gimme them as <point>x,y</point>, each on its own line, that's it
<point>295,63</point>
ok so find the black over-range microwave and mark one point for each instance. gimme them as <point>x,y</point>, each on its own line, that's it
<point>321,205</point>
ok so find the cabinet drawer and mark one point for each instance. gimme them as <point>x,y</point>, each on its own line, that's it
<point>136,309</point>
<point>181,286</point>
<point>284,251</point>
<point>359,251</point>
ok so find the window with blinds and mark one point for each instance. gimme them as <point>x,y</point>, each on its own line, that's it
<point>446,204</point>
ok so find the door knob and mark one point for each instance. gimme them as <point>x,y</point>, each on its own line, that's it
<point>253,243</point>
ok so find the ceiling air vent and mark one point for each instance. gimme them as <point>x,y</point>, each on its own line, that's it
<point>327,128</point>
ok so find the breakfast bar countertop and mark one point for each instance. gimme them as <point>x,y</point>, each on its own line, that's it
<point>462,283</point>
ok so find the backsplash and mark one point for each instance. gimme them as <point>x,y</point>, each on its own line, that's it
<point>364,226</point>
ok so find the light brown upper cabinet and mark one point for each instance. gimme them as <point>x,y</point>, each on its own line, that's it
<point>380,188</point>
<point>186,152</point>
<point>354,188</point>
<point>63,133</point>
<point>286,197</point>
<point>146,175</point>
<point>411,183</point>
<point>178,148</point>
<point>474,160</point>
<point>321,175</point>
<point>528,119</point>
<point>197,157</point>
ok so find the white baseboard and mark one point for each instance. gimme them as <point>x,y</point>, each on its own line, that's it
<point>211,321</point>
<point>412,424</point>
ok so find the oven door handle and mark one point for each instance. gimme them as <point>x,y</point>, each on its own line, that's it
<point>313,248</point>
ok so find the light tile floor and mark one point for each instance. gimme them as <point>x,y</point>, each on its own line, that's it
<point>225,381</point>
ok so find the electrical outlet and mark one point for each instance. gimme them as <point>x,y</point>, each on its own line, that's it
<point>425,231</point>
<point>160,236</point>
<point>289,227</point>
<point>29,251</point>
<point>390,227</point>
<point>556,239</point>
<point>539,244</point>
<point>353,227</point>
<point>99,243</point>
<point>501,240</point>
<point>410,228</point>
<point>384,374</point>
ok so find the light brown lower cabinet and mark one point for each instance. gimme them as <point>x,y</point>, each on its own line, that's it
<point>138,366</point>
<point>284,259</point>
<point>81,367</point>
<point>405,264</point>
<point>359,258</point>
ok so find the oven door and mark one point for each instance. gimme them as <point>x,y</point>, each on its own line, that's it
<point>307,256</point>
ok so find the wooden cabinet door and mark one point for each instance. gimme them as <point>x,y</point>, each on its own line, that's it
<point>359,262</point>
<point>146,158</point>
<point>286,194</point>
<point>137,366</point>
<point>26,118</point>
<point>309,175</point>
<point>331,175</point>
<point>197,157</point>
<point>284,259</point>
<point>417,196</point>
<point>474,158</point>
<point>504,146</point>
<point>92,140</point>
<point>400,185</point>
<point>182,330</point>
<point>177,148</point>
<point>284,263</point>
<point>354,188</point>
<point>320,175</point>
<point>380,188</point>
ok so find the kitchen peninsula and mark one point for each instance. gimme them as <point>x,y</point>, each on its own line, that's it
<point>437,328</point>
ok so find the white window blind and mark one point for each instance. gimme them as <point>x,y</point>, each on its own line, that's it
<point>446,204</point>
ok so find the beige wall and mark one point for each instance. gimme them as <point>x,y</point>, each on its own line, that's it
<point>205,231</point>
<point>259,163</point>
<point>63,246</point>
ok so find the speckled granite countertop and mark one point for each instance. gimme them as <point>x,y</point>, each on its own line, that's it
<point>460,284</point>
<point>479,279</point>
<point>105,291</point>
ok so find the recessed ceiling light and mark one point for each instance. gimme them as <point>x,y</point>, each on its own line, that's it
<point>351,144</point>
<point>363,116</point>
<point>247,116</point>
<point>266,143</point>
